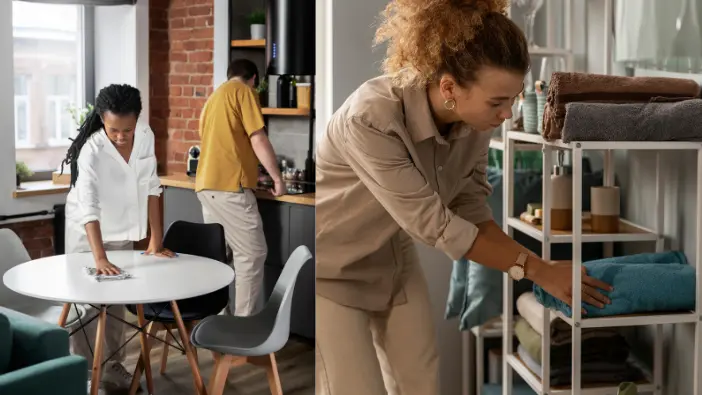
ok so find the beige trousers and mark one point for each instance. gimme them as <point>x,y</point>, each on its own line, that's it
<point>374,353</point>
<point>243,229</point>
<point>114,329</point>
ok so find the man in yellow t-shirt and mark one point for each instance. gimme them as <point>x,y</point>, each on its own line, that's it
<point>232,142</point>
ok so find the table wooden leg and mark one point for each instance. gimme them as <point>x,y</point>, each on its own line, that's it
<point>136,377</point>
<point>99,351</point>
<point>199,383</point>
<point>64,314</point>
<point>145,349</point>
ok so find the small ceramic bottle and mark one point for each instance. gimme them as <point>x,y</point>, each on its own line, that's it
<point>561,196</point>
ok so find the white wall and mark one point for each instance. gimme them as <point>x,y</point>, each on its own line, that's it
<point>122,56</point>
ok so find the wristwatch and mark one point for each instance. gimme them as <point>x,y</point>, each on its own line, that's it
<point>519,269</point>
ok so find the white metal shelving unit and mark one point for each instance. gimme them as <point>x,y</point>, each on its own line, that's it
<point>489,329</point>
<point>630,232</point>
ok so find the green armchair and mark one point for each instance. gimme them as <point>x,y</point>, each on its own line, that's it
<point>35,358</point>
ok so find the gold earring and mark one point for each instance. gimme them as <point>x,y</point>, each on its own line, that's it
<point>450,104</point>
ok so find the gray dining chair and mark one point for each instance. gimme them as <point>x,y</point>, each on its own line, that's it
<point>14,253</point>
<point>255,339</point>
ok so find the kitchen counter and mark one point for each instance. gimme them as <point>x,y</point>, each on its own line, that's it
<point>182,180</point>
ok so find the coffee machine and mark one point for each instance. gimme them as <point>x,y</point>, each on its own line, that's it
<point>193,159</point>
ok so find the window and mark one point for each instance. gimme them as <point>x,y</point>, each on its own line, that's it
<point>21,110</point>
<point>50,68</point>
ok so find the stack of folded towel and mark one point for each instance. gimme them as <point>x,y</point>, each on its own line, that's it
<point>586,107</point>
<point>643,283</point>
<point>604,352</point>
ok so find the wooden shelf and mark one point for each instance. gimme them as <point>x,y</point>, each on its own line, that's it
<point>249,43</point>
<point>290,112</point>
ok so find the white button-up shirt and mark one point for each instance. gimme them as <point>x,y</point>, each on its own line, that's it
<point>112,191</point>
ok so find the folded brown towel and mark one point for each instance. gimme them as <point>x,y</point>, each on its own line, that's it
<point>565,88</point>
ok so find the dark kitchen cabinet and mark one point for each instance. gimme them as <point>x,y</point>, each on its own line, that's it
<point>286,227</point>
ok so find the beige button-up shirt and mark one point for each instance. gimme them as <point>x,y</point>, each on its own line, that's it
<point>383,172</point>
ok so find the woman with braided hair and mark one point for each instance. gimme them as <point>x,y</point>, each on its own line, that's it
<point>113,198</point>
<point>402,160</point>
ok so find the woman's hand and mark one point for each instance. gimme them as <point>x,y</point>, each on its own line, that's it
<point>156,248</point>
<point>104,266</point>
<point>557,280</point>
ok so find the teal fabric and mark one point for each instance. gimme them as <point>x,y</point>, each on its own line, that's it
<point>34,340</point>
<point>657,282</point>
<point>67,375</point>
<point>38,359</point>
<point>5,343</point>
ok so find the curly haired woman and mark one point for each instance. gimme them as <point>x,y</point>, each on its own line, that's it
<point>404,159</point>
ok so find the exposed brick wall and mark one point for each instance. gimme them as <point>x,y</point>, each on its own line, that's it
<point>37,236</point>
<point>181,73</point>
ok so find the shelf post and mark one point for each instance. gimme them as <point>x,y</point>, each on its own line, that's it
<point>577,264</point>
<point>547,165</point>
<point>507,283</point>
<point>658,329</point>
<point>697,363</point>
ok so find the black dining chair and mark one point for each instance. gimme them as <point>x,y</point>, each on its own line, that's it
<point>205,240</point>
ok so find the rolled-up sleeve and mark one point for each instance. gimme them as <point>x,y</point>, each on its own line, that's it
<point>87,185</point>
<point>382,163</point>
<point>471,203</point>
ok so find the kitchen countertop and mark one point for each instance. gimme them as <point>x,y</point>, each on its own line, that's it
<point>182,180</point>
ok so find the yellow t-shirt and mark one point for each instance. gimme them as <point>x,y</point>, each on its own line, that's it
<point>227,160</point>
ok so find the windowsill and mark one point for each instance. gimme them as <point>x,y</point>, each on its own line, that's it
<point>39,188</point>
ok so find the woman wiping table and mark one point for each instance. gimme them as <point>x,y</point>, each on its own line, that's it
<point>114,196</point>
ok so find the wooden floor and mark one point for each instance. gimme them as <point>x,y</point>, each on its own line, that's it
<point>295,364</point>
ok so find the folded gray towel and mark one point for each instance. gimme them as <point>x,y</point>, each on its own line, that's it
<point>91,271</point>
<point>653,121</point>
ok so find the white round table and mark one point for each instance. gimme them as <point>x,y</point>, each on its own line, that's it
<point>62,278</point>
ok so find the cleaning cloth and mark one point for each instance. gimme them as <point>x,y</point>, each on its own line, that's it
<point>92,272</point>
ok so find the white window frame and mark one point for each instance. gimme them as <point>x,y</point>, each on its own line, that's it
<point>60,104</point>
<point>27,121</point>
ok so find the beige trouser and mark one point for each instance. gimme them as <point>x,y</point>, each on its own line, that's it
<point>114,329</point>
<point>374,353</point>
<point>238,213</point>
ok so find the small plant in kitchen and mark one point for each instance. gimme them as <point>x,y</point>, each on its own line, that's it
<point>257,20</point>
<point>22,171</point>
<point>262,90</point>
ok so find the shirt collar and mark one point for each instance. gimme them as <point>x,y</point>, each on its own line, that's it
<point>420,122</point>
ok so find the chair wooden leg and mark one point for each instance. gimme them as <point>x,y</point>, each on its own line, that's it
<point>273,377</point>
<point>166,347</point>
<point>271,366</point>
<point>219,373</point>
<point>64,314</point>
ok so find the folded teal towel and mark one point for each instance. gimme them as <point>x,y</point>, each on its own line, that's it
<point>657,282</point>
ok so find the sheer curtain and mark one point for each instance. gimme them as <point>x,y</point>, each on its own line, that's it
<point>85,2</point>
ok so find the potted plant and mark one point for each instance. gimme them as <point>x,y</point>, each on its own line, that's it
<point>257,20</point>
<point>79,114</point>
<point>22,171</point>
<point>262,90</point>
